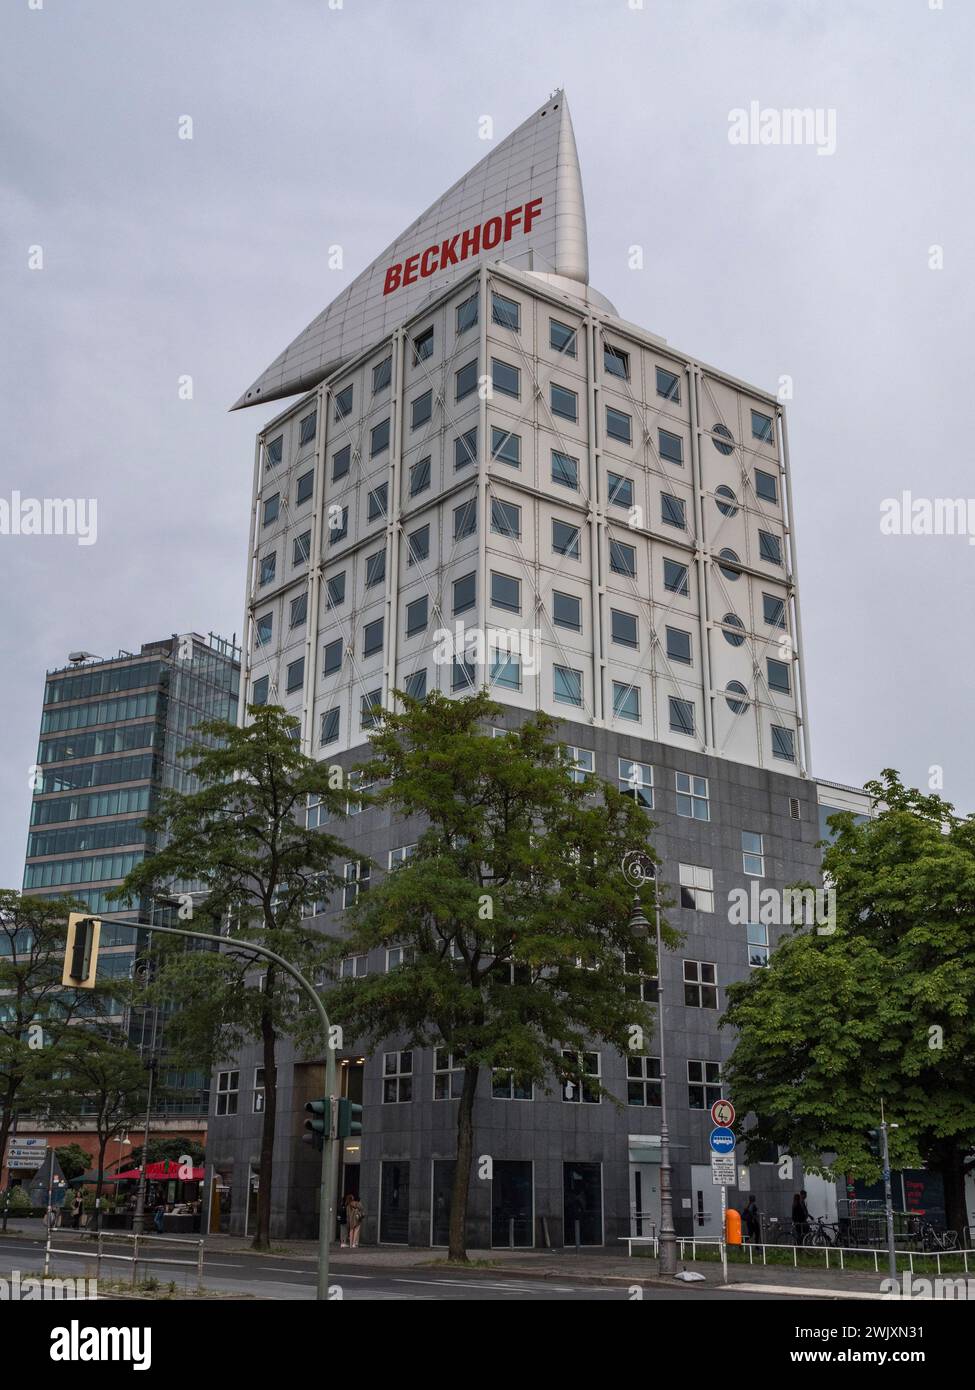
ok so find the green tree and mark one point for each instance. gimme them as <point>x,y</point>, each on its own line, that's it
<point>513,908</point>
<point>879,1011</point>
<point>104,1083</point>
<point>242,836</point>
<point>74,1160</point>
<point>36,1010</point>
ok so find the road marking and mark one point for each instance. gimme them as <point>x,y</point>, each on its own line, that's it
<point>800,1292</point>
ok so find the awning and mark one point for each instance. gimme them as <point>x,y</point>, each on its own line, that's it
<point>161,1172</point>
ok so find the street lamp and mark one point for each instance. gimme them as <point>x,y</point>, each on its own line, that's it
<point>638,869</point>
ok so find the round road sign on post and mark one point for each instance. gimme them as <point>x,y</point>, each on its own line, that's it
<point>722,1141</point>
<point>723,1114</point>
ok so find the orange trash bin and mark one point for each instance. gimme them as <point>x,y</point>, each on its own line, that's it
<point>732,1226</point>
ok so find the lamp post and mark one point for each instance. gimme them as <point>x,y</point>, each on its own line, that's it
<point>638,868</point>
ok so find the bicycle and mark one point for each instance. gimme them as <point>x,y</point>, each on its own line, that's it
<point>932,1239</point>
<point>822,1233</point>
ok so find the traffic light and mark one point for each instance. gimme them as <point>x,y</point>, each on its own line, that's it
<point>873,1139</point>
<point>350,1119</point>
<point>317,1128</point>
<point>81,951</point>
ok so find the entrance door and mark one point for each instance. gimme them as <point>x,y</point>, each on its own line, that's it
<point>394,1203</point>
<point>705,1203</point>
<point>644,1199</point>
<point>512,1201</point>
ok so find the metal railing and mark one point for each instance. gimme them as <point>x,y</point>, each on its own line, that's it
<point>837,1251</point>
<point>140,1242</point>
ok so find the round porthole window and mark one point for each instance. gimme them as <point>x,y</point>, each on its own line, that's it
<point>727,502</point>
<point>737,697</point>
<point>726,443</point>
<point>733,629</point>
<point>731,558</point>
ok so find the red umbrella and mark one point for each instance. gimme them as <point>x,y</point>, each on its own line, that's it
<point>159,1172</point>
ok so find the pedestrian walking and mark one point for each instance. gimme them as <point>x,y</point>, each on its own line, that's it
<point>77,1207</point>
<point>800,1218</point>
<point>354,1215</point>
<point>753,1228</point>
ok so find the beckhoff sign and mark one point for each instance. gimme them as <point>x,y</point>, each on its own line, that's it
<point>484,237</point>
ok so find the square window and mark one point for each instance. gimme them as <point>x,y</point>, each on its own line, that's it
<point>623,628</point>
<point>369,709</point>
<point>620,490</point>
<point>693,796</point>
<point>668,385</point>
<point>465,519</point>
<point>265,626</point>
<point>562,337</point>
<point>582,763</point>
<point>376,502</point>
<point>671,446</point>
<point>626,701</point>
<point>778,676</point>
<point>338,524</point>
<point>567,685</point>
<point>622,559</point>
<point>565,539</point>
<point>416,616</point>
<point>565,403</point>
<point>505,592</point>
<point>306,430</point>
<point>259,691</point>
<point>340,462</point>
<point>766,486</point>
<point>636,780</point>
<point>616,361</point>
<point>343,402</point>
<point>770,548</point>
<point>753,854</point>
<point>762,427</point>
<point>696,887</point>
<point>418,545</point>
<point>679,645</point>
<point>567,611</point>
<point>372,637</point>
<point>333,657</point>
<point>305,487</point>
<point>379,438</point>
<point>506,312</point>
<point>465,593</point>
<point>422,346</point>
<point>416,684</point>
<point>505,669</point>
<point>465,449</point>
<point>268,567</point>
<point>672,511</point>
<point>681,716</point>
<point>301,547</point>
<point>296,674</point>
<point>505,518</point>
<point>465,380</point>
<point>675,577</point>
<point>299,610</point>
<point>274,452</point>
<point>757,944</point>
<point>700,985</point>
<point>376,568</point>
<point>467,314</point>
<point>565,470</point>
<point>505,447</point>
<point>330,726</point>
<point>463,675</point>
<point>382,375</point>
<point>335,590</point>
<point>773,610</point>
<point>421,409</point>
<point>271,507</point>
<point>619,425</point>
<point>505,378</point>
<point>419,477</point>
<point>783,744</point>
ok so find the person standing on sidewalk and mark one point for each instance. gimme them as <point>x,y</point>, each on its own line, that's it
<point>354,1214</point>
<point>753,1230</point>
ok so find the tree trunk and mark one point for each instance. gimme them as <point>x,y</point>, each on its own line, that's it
<point>262,1233</point>
<point>462,1170</point>
<point>102,1148</point>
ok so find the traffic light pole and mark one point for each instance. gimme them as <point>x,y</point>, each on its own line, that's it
<point>888,1203</point>
<point>326,1216</point>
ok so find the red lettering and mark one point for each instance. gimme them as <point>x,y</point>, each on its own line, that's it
<point>409,269</point>
<point>448,256</point>
<point>512,216</point>
<point>532,213</point>
<point>393,276</point>
<point>470,243</point>
<point>492,229</point>
<point>427,267</point>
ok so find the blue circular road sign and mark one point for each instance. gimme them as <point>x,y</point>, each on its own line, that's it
<point>722,1140</point>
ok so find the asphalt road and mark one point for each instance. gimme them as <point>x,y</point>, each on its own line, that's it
<point>264,1276</point>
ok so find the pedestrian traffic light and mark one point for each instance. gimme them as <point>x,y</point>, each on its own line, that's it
<point>873,1139</point>
<point>317,1128</point>
<point>81,951</point>
<point>350,1121</point>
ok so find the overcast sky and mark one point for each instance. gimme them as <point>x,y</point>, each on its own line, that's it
<point>165,257</point>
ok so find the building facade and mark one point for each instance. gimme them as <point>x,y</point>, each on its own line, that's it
<point>112,732</point>
<point>495,480</point>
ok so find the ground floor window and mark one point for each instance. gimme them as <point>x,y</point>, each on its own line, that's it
<point>512,1203</point>
<point>443,1187</point>
<point>582,1197</point>
<point>394,1203</point>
